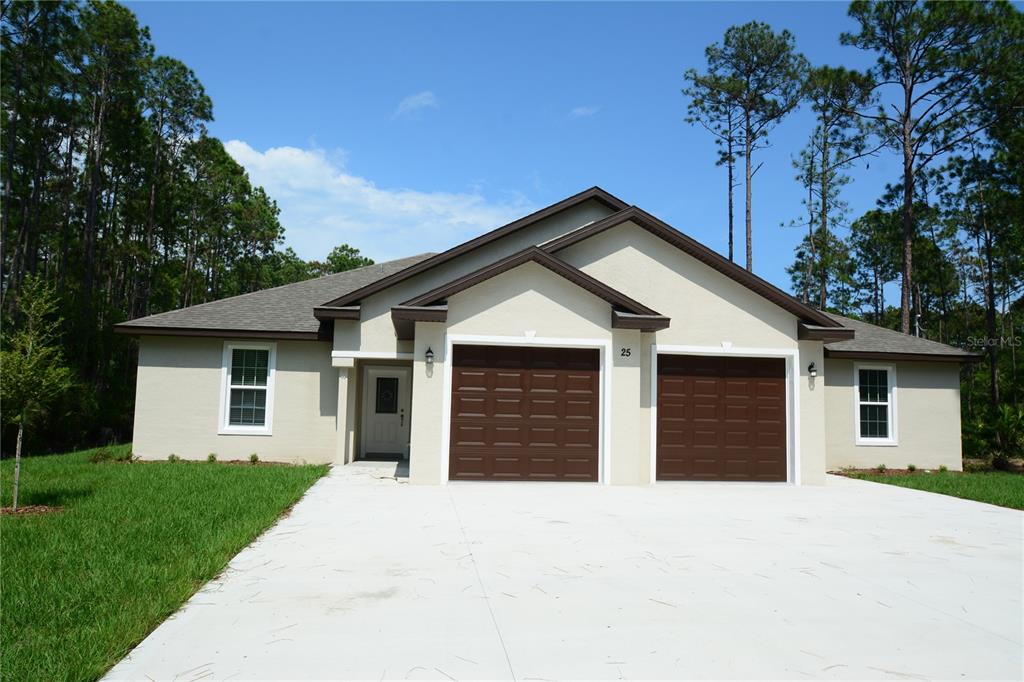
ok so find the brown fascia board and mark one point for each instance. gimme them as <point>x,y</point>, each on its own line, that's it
<point>327,312</point>
<point>139,330</point>
<point>901,357</point>
<point>535,255</point>
<point>813,332</point>
<point>645,323</point>
<point>405,317</point>
<point>595,193</point>
<point>702,253</point>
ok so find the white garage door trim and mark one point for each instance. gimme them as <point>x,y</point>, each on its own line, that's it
<point>604,346</point>
<point>792,396</point>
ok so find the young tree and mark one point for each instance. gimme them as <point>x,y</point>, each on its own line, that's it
<point>713,106</point>
<point>874,245</point>
<point>32,364</point>
<point>765,76</point>
<point>937,56</point>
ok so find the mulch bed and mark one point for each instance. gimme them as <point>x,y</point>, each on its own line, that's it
<point>853,473</point>
<point>29,510</point>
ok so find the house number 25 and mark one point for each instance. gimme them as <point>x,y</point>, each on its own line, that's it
<point>626,352</point>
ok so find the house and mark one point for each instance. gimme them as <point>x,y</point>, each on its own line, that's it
<point>588,341</point>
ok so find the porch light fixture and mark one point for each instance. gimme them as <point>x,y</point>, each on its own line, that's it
<point>429,356</point>
<point>812,370</point>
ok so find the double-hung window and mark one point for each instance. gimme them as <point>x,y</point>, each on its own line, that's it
<point>875,404</point>
<point>248,388</point>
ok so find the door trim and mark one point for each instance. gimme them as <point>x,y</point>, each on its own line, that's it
<point>605,382</point>
<point>792,396</point>
<point>365,399</point>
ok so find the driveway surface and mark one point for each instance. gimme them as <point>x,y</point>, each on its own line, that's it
<point>370,578</point>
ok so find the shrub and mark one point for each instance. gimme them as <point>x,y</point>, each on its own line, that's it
<point>971,465</point>
<point>943,468</point>
<point>911,467</point>
<point>212,457</point>
<point>110,455</point>
<point>880,468</point>
<point>172,458</point>
<point>254,458</point>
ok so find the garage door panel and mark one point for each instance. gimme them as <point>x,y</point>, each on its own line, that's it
<point>524,413</point>
<point>721,418</point>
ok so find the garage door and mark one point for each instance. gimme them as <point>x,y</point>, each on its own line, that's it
<point>524,413</point>
<point>721,418</point>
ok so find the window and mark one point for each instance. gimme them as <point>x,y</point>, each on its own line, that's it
<point>875,405</point>
<point>387,395</point>
<point>248,385</point>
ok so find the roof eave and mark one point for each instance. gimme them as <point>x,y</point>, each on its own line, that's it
<point>901,357</point>
<point>326,312</point>
<point>289,335</point>
<point>813,332</point>
<point>645,323</point>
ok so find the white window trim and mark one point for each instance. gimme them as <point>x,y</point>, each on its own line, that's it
<point>892,439</point>
<point>223,427</point>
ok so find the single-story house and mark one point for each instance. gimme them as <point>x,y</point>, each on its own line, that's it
<point>588,341</point>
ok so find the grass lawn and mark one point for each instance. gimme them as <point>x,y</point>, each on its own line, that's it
<point>1003,488</point>
<point>81,586</point>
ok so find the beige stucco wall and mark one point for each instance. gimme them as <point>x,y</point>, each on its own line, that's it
<point>178,394</point>
<point>927,418</point>
<point>706,307</point>
<point>375,331</point>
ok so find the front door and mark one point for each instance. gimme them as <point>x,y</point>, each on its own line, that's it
<point>386,400</point>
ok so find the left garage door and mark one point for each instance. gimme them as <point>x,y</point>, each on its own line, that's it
<point>524,414</point>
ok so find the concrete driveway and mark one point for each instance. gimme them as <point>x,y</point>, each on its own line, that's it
<point>369,578</point>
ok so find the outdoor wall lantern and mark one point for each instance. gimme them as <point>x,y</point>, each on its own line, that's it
<point>430,357</point>
<point>812,370</point>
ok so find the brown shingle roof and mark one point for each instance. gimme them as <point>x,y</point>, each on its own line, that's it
<point>285,311</point>
<point>873,341</point>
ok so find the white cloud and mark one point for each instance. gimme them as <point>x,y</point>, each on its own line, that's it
<point>414,103</point>
<point>322,205</point>
<point>583,112</point>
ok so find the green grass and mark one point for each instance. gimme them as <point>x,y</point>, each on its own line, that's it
<point>82,586</point>
<point>1003,488</point>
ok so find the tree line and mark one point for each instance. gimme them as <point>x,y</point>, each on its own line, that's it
<point>946,95</point>
<point>116,198</point>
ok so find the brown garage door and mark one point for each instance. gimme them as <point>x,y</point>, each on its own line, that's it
<point>721,418</point>
<point>524,414</point>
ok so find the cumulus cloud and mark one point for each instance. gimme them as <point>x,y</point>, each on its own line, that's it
<point>583,112</point>
<point>414,103</point>
<point>323,205</point>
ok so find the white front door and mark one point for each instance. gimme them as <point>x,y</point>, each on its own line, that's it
<point>386,407</point>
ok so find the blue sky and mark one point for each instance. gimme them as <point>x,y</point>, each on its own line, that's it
<point>402,128</point>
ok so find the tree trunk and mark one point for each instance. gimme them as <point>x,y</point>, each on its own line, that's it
<point>908,212</point>
<point>747,148</point>
<point>17,463</point>
<point>990,318</point>
<point>823,219</point>
<point>730,164</point>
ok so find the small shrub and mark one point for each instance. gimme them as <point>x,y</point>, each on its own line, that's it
<point>212,457</point>
<point>109,454</point>
<point>943,468</point>
<point>972,465</point>
<point>172,458</point>
<point>911,467</point>
<point>254,458</point>
<point>880,468</point>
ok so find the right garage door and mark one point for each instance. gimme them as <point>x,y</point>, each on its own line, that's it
<point>721,418</point>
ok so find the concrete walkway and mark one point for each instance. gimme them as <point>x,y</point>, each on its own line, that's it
<point>371,578</point>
